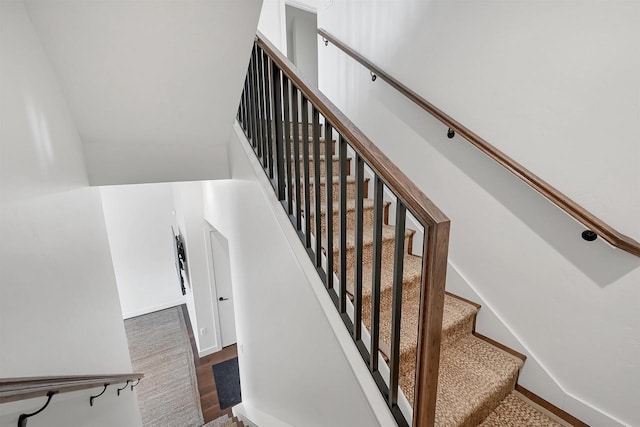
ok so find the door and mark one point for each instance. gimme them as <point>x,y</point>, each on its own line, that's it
<point>224,294</point>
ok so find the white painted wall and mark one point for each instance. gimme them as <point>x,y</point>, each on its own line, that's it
<point>292,364</point>
<point>152,86</point>
<point>272,23</point>
<point>59,309</point>
<point>200,296</point>
<point>139,220</point>
<point>556,87</point>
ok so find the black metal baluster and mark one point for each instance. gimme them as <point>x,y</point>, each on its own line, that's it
<point>277,119</point>
<point>378,189</point>
<point>342,296</point>
<point>249,106</point>
<point>287,146</point>
<point>328,216</point>
<point>257,80</point>
<point>357,279</point>
<point>396,311</point>
<point>269,95</point>
<point>296,157</point>
<point>244,104</point>
<point>261,109</point>
<point>307,178</point>
<point>254,103</point>
<point>317,192</point>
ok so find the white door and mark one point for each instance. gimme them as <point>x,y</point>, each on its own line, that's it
<point>222,274</point>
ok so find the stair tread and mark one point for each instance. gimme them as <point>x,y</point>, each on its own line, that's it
<point>388,234</point>
<point>334,157</point>
<point>515,411</point>
<point>336,180</point>
<point>473,379</point>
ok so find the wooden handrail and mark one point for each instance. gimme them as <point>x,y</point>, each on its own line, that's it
<point>13,389</point>
<point>418,203</point>
<point>586,218</point>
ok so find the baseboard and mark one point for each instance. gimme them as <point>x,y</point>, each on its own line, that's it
<point>252,417</point>
<point>208,351</point>
<point>534,376</point>
<point>152,309</point>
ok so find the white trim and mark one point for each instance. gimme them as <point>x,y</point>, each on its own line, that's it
<point>208,231</point>
<point>208,351</point>
<point>153,308</point>
<point>253,417</point>
<point>302,6</point>
<point>367,384</point>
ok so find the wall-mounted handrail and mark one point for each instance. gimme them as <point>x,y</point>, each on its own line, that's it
<point>14,389</point>
<point>579,213</point>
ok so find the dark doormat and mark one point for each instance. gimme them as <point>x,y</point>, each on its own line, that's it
<point>227,377</point>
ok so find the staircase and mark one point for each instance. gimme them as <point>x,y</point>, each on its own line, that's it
<point>476,379</point>
<point>380,247</point>
<point>225,421</point>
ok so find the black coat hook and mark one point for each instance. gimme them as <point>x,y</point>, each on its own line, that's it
<point>133,385</point>
<point>92,398</point>
<point>22,420</point>
<point>120,389</point>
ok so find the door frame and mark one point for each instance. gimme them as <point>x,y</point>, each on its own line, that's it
<point>209,231</point>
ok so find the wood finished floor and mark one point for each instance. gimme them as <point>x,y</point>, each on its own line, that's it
<point>204,372</point>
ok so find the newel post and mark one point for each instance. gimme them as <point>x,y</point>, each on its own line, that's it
<point>434,271</point>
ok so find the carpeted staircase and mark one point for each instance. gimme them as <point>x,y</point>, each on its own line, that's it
<point>225,421</point>
<point>476,384</point>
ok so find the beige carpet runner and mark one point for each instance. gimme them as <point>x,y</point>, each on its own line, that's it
<point>225,421</point>
<point>476,384</point>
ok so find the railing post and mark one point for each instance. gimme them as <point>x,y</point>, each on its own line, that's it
<point>434,271</point>
<point>277,117</point>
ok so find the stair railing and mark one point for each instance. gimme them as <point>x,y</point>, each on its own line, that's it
<point>292,128</point>
<point>14,389</point>
<point>594,226</point>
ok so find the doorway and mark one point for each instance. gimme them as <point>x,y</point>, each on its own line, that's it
<point>302,41</point>
<point>220,262</point>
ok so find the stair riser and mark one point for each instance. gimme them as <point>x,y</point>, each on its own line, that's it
<point>310,147</point>
<point>477,417</point>
<point>351,191</point>
<point>301,127</point>
<point>410,294</point>
<point>367,255</point>
<point>367,218</point>
<point>323,168</point>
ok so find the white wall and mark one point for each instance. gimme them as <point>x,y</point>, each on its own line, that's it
<point>59,309</point>
<point>139,220</point>
<point>292,366</point>
<point>152,86</point>
<point>554,86</point>
<point>189,207</point>
<point>272,23</point>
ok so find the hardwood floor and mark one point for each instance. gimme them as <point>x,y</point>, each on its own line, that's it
<point>204,372</point>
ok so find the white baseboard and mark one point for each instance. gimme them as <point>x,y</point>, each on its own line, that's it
<point>208,351</point>
<point>253,417</point>
<point>153,308</point>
